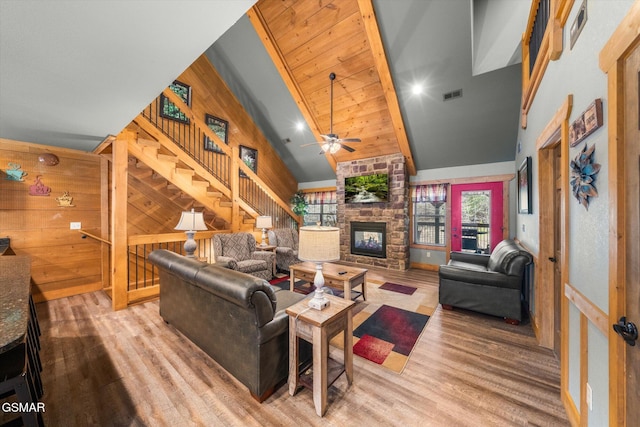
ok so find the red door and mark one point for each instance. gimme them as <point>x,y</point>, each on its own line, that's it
<point>474,235</point>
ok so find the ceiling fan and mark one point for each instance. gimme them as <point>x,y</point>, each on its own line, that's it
<point>331,142</point>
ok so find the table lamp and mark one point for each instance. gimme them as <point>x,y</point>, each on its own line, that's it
<point>191,222</point>
<point>319,244</point>
<point>264,222</point>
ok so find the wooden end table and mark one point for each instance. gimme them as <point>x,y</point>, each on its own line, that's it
<point>318,327</point>
<point>350,278</point>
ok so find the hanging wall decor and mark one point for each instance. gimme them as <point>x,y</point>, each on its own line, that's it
<point>586,124</point>
<point>168,109</point>
<point>249,157</point>
<point>14,173</point>
<point>38,188</point>
<point>583,176</point>
<point>65,201</point>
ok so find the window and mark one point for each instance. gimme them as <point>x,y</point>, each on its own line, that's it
<point>476,219</point>
<point>322,208</point>
<point>429,214</point>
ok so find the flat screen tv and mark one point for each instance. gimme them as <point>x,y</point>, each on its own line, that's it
<point>373,188</point>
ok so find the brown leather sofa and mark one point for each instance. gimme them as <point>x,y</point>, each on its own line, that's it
<point>237,319</point>
<point>490,284</point>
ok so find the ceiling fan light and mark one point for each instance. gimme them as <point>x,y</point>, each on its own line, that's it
<point>326,146</point>
<point>334,148</point>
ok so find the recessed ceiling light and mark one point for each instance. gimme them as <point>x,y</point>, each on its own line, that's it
<point>300,126</point>
<point>417,88</point>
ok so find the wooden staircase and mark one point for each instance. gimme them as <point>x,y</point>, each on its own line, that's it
<point>164,167</point>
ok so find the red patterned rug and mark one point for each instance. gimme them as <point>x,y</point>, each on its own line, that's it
<point>388,332</point>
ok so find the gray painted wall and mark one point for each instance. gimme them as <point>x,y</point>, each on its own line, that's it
<point>577,72</point>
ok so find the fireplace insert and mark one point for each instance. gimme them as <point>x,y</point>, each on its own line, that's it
<point>369,239</point>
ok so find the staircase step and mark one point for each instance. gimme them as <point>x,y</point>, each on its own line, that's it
<point>167,158</point>
<point>149,143</point>
<point>185,171</point>
<point>199,183</point>
<point>214,194</point>
<point>226,204</point>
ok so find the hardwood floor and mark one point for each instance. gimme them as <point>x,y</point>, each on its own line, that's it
<point>129,368</point>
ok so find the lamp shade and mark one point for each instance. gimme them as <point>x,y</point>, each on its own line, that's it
<point>264,222</point>
<point>319,244</point>
<point>191,221</point>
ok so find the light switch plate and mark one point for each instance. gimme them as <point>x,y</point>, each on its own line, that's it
<point>75,226</point>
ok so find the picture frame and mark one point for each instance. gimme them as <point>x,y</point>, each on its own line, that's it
<point>221,128</point>
<point>249,157</point>
<point>524,187</point>
<point>168,109</point>
<point>586,123</point>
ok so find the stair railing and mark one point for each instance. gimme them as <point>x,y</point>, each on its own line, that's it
<point>192,135</point>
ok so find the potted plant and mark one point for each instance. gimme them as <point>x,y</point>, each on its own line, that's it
<point>298,203</point>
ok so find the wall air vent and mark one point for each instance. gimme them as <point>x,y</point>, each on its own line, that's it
<point>452,95</point>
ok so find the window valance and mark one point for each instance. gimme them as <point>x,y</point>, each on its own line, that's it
<point>430,193</point>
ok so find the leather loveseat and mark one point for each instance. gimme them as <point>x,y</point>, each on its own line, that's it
<point>237,319</point>
<point>490,284</point>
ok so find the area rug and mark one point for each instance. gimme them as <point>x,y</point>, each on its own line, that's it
<point>394,287</point>
<point>389,324</point>
<point>389,333</point>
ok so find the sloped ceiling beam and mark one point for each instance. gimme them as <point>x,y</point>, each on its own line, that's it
<point>258,22</point>
<point>380,58</point>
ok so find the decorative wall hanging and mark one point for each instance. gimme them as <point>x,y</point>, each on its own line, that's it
<point>48,159</point>
<point>219,127</point>
<point>14,173</point>
<point>524,187</point>
<point>168,109</point>
<point>38,188</point>
<point>65,200</point>
<point>587,123</point>
<point>583,176</point>
<point>249,157</point>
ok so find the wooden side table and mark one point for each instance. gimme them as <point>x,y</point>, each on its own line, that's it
<point>318,327</point>
<point>271,248</point>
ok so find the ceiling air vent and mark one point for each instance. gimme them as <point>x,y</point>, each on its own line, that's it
<point>452,95</point>
<point>286,140</point>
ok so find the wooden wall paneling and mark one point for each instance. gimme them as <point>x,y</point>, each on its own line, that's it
<point>211,95</point>
<point>380,59</point>
<point>38,227</point>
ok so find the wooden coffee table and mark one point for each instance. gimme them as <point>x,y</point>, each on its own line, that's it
<point>349,279</point>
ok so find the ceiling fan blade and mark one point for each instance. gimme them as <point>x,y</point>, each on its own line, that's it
<point>350,140</point>
<point>347,148</point>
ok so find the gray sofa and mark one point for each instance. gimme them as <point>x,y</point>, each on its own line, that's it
<point>490,284</point>
<point>237,319</point>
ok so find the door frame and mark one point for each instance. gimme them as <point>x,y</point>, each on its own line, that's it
<point>612,63</point>
<point>556,132</point>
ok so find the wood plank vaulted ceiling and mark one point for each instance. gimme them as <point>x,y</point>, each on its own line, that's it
<point>308,40</point>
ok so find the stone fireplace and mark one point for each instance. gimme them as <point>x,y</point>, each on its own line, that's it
<point>392,216</point>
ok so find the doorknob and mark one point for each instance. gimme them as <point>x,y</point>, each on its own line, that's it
<point>628,331</point>
<point>552,259</point>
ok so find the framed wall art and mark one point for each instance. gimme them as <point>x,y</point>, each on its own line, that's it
<point>586,124</point>
<point>219,127</point>
<point>524,187</point>
<point>168,109</point>
<point>249,157</point>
